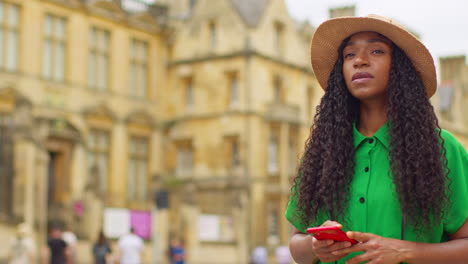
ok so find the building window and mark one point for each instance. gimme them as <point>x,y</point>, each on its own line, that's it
<point>192,4</point>
<point>232,152</point>
<point>138,69</point>
<point>6,166</point>
<point>184,159</point>
<point>213,35</point>
<point>235,155</point>
<point>278,40</point>
<point>98,158</point>
<point>309,101</point>
<point>98,64</point>
<point>273,155</point>
<point>9,27</point>
<point>138,169</point>
<point>273,224</point>
<point>233,90</point>
<point>292,151</point>
<point>278,91</point>
<point>189,94</point>
<point>53,64</point>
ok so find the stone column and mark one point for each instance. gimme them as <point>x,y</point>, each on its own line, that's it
<point>284,184</point>
<point>24,179</point>
<point>241,215</point>
<point>118,175</point>
<point>190,213</point>
<point>160,234</point>
<point>190,220</point>
<point>23,153</point>
<point>40,194</point>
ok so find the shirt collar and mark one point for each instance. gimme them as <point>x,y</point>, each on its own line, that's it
<point>381,135</point>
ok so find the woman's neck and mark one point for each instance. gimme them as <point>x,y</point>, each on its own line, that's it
<point>372,117</point>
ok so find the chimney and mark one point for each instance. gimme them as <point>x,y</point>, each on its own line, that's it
<point>342,11</point>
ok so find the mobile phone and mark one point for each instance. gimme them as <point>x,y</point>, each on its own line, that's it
<point>330,232</point>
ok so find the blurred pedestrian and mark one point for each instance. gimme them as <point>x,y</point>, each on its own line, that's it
<point>130,247</point>
<point>283,256</point>
<point>259,255</point>
<point>102,250</point>
<point>72,242</point>
<point>177,252</point>
<point>57,251</point>
<point>23,248</point>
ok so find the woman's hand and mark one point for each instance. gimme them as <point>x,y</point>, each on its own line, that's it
<point>376,249</point>
<point>324,249</point>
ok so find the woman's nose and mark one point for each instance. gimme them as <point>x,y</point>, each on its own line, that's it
<point>361,59</point>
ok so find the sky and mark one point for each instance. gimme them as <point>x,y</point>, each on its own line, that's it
<point>442,25</point>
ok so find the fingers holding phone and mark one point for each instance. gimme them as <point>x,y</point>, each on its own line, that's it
<point>329,238</point>
<point>323,249</point>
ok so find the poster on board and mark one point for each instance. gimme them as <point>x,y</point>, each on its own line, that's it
<point>141,222</point>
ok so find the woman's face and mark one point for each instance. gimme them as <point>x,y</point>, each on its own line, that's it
<point>367,59</point>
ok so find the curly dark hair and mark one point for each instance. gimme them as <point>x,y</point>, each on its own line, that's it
<point>417,155</point>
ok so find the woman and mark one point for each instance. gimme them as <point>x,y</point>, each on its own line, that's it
<point>23,248</point>
<point>376,161</point>
<point>101,249</point>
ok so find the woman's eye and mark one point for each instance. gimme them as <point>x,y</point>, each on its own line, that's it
<point>348,55</point>
<point>378,52</point>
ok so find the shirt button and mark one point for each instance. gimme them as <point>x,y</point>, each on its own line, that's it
<point>362,200</point>
<point>366,169</point>
<point>371,141</point>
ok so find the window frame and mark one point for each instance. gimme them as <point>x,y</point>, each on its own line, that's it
<point>94,153</point>
<point>55,42</point>
<point>139,64</point>
<point>7,29</point>
<point>139,193</point>
<point>97,50</point>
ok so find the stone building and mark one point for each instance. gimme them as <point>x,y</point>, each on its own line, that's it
<point>104,102</point>
<point>79,97</point>
<point>451,99</point>
<point>239,105</point>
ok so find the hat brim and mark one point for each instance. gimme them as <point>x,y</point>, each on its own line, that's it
<point>330,34</point>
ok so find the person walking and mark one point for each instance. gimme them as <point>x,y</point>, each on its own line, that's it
<point>131,247</point>
<point>57,251</point>
<point>22,249</point>
<point>259,255</point>
<point>376,162</point>
<point>282,254</point>
<point>177,252</point>
<point>72,242</point>
<point>102,251</point>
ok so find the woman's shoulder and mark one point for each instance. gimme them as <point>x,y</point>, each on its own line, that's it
<point>452,145</point>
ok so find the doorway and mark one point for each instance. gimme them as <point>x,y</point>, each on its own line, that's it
<point>58,179</point>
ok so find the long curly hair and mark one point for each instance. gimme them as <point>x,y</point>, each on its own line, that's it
<point>417,155</point>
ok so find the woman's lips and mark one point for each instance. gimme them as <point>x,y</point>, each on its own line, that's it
<point>361,77</point>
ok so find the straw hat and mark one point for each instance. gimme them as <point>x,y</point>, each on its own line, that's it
<point>331,33</point>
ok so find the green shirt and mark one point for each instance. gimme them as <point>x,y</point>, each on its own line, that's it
<point>373,206</point>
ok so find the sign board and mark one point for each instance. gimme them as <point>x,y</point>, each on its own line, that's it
<point>116,222</point>
<point>208,227</point>
<point>216,228</point>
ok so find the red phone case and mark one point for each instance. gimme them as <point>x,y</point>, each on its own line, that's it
<point>330,232</point>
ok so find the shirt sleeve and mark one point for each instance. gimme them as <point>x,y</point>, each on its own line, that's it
<point>292,214</point>
<point>457,158</point>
